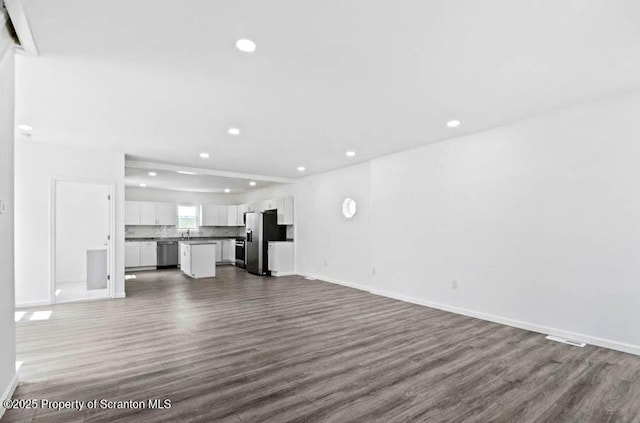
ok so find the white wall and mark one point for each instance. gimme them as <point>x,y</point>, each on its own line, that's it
<point>8,377</point>
<point>37,164</point>
<point>538,222</point>
<point>185,197</point>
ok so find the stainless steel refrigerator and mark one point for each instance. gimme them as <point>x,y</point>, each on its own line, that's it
<point>262,227</point>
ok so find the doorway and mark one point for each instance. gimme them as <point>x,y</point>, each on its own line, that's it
<point>82,241</point>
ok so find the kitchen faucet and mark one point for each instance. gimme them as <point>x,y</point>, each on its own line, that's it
<point>188,233</point>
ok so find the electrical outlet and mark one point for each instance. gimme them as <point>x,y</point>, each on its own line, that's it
<point>325,263</point>
<point>373,271</point>
<point>3,207</point>
<point>454,285</point>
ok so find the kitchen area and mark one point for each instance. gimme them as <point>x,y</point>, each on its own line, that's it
<point>197,238</point>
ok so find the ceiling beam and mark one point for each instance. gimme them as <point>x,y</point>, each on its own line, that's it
<point>22,27</point>
<point>200,171</point>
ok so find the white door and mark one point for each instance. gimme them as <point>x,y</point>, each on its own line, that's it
<point>82,224</point>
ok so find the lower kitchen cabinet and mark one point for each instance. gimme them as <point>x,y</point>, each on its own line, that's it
<point>148,254</point>
<point>140,254</point>
<point>281,258</point>
<point>131,254</point>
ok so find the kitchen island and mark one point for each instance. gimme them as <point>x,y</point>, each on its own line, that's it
<point>198,258</point>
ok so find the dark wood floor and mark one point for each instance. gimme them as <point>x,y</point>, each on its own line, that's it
<point>240,348</point>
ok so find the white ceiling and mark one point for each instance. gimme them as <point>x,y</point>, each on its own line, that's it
<point>161,80</point>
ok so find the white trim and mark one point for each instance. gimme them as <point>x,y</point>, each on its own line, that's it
<point>22,27</point>
<point>120,295</point>
<point>547,330</point>
<point>8,392</point>
<point>33,303</point>
<point>111,248</point>
<point>279,274</point>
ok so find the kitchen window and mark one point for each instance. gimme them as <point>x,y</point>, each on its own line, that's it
<point>187,217</point>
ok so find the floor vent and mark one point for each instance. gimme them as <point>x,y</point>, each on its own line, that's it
<point>566,341</point>
<point>309,278</point>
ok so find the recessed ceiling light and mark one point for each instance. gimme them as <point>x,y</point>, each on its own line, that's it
<point>351,153</point>
<point>245,45</point>
<point>252,183</point>
<point>204,155</point>
<point>233,131</point>
<point>227,190</point>
<point>184,172</point>
<point>152,174</point>
<point>25,129</point>
<point>143,185</point>
<point>301,168</point>
<point>453,123</point>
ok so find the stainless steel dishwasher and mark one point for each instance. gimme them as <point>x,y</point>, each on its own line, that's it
<point>167,254</point>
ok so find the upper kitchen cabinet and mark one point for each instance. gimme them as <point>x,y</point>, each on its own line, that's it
<point>212,215</point>
<point>242,209</point>
<point>232,216</point>
<point>209,215</point>
<point>285,211</point>
<point>131,212</point>
<point>236,215</point>
<point>166,214</point>
<point>149,213</point>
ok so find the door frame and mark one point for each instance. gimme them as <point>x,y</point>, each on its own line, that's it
<point>111,256</point>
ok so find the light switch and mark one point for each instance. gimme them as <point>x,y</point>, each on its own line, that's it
<point>3,207</point>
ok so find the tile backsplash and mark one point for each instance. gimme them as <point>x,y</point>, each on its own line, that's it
<point>172,232</point>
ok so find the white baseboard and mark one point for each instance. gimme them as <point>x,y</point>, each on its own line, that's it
<point>593,340</point>
<point>278,274</point>
<point>120,295</point>
<point>8,392</point>
<point>33,303</point>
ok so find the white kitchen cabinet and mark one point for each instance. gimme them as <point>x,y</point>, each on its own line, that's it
<point>280,257</point>
<point>140,254</point>
<point>166,214</point>
<point>285,211</point>
<point>223,213</point>
<point>131,212</point>
<point>150,213</point>
<point>148,254</point>
<point>232,215</point>
<point>209,215</point>
<point>242,209</point>
<point>147,213</point>
<point>198,259</point>
<point>212,215</point>
<point>229,251</point>
<point>185,258</point>
<point>131,254</point>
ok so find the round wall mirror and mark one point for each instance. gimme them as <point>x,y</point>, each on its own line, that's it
<point>349,208</point>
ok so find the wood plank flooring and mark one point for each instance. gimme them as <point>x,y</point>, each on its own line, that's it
<point>240,348</point>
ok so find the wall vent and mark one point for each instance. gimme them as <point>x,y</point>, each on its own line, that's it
<point>566,341</point>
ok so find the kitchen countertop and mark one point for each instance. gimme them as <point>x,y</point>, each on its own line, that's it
<point>193,238</point>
